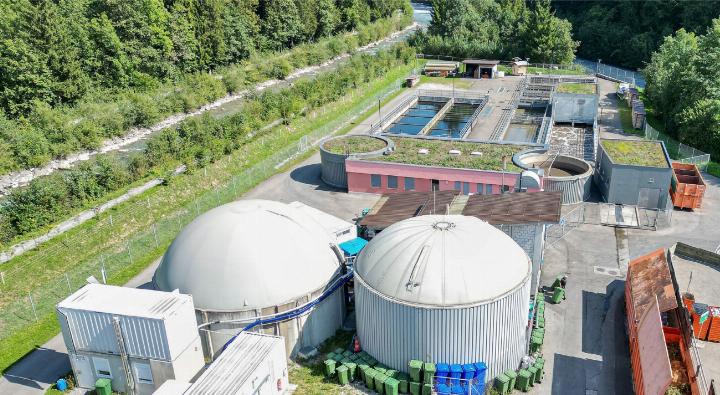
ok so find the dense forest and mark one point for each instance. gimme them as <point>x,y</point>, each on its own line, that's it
<point>627,32</point>
<point>683,87</point>
<point>498,29</point>
<point>74,72</point>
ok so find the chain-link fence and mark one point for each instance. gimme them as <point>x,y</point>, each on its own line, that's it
<point>677,150</point>
<point>618,73</point>
<point>131,247</point>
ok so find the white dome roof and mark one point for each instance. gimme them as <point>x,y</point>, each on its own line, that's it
<point>443,260</point>
<point>248,254</point>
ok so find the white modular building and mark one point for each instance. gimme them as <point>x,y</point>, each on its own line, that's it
<point>251,364</point>
<point>136,338</point>
<point>450,289</point>
<point>339,230</point>
<point>262,264</point>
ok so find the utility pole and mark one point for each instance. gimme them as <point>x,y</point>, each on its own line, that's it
<point>379,115</point>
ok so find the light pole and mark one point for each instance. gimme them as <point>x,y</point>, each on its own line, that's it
<point>597,68</point>
<point>379,115</point>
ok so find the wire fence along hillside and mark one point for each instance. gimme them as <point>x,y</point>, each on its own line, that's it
<point>26,309</point>
<point>678,151</point>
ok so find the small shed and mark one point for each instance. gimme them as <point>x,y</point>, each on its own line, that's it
<point>520,67</point>
<point>634,172</point>
<point>481,68</point>
<point>440,68</point>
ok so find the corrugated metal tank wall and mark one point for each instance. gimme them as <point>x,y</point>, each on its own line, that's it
<point>575,190</point>
<point>307,330</point>
<point>395,333</point>
<point>332,166</point>
<point>332,169</point>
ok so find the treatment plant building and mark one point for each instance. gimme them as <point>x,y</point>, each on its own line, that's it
<point>443,288</point>
<point>256,264</point>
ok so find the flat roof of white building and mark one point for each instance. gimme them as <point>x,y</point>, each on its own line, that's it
<point>236,364</point>
<point>126,301</point>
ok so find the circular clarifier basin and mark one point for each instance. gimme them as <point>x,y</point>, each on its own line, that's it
<point>570,175</point>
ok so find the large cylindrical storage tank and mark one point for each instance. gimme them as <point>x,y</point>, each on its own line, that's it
<point>334,151</point>
<point>251,259</point>
<point>450,289</point>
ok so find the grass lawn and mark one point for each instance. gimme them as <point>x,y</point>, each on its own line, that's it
<point>309,375</point>
<point>588,89</point>
<point>167,209</point>
<point>460,83</point>
<point>635,152</point>
<point>406,151</point>
<point>354,144</point>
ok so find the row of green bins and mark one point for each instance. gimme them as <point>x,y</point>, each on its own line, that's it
<point>558,295</point>
<point>103,387</point>
<point>415,369</point>
<point>429,373</point>
<point>329,367</point>
<point>523,380</point>
<point>403,383</point>
<point>392,386</point>
<point>342,373</point>
<point>502,383</point>
<point>370,378</point>
<point>540,365</point>
<point>380,383</point>
<point>536,339</point>
<point>533,374</point>
<point>512,376</point>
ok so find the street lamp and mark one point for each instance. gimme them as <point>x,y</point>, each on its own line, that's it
<point>597,68</point>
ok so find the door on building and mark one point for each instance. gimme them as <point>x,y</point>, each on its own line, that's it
<point>466,188</point>
<point>435,185</point>
<point>84,374</point>
<point>648,197</point>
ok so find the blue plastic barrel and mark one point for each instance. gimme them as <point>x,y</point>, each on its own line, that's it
<point>458,390</point>
<point>468,371</point>
<point>455,374</point>
<point>480,370</point>
<point>61,385</point>
<point>442,370</point>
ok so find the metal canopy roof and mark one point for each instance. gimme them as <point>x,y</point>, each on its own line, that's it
<point>395,207</point>
<point>509,208</point>
<point>482,62</point>
<point>516,208</point>
<point>443,261</point>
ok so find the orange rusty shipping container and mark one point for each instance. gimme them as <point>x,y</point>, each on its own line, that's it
<point>687,186</point>
<point>714,332</point>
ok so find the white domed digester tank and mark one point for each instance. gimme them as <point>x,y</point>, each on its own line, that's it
<point>255,258</point>
<point>450,289</point>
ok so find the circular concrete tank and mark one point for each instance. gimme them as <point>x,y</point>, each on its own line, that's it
<point>450,289</point>
<point>570,175</point>
<point>335,150</point>
<point>250,259</point>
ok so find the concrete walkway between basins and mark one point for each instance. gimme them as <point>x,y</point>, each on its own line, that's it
<point>586,345</point>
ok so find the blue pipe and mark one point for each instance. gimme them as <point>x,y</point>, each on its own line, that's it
<point>298,311</point>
